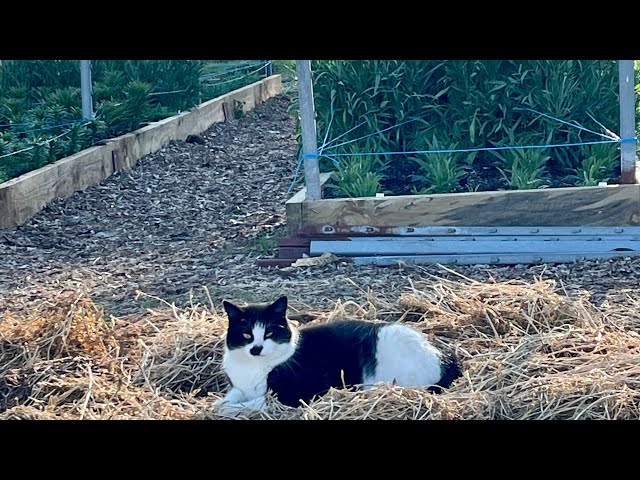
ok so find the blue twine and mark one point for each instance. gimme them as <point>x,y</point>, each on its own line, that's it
<point>169,92</point>
<point>232,70</point>
<point>332,156</point>
<point>13,124</point>
<point>575,125</point>
<point>295,176</point>
<point>343,134</point>
<point>35,145</point>
<point>307,156</point>
<point>374,133</point>
<point>613,135</point>
<point>236,67</point>
<point>49,127</point>
<point>468,150</point>
<point>329,146</point>
<point>242,76</point>
<point>326,134</point>
<point>228,64</point>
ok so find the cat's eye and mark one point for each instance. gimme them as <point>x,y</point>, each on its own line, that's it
<point>268,334</point>
<point>246,335</point>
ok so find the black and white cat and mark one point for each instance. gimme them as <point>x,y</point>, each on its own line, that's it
<point>264,351</point>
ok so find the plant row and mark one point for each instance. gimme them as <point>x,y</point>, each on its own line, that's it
<point>41,102</point>
<point>370,112</point>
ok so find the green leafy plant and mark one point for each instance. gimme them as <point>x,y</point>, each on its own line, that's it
<point>439,172</point>
<point>393,104</point>
<point>266,242</point>
<point>524,169</point>
<point>354,178</point>
<point>40,100</point>
<point>110,87</point>
<point>598,166</point>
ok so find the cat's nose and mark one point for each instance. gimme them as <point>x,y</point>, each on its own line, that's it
<point>256,350</point>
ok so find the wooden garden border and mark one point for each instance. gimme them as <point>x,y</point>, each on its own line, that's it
<point>577,208</point>
<point>611,205</point>
<point>24,196</point>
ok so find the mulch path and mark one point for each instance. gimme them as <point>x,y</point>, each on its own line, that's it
<point>193,216</point>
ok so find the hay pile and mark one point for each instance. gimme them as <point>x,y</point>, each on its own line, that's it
<point>529,352</point>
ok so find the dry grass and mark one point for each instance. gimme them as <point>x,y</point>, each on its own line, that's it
<point>529,351</point>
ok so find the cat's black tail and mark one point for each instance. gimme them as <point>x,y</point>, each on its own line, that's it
<point>451,370</point>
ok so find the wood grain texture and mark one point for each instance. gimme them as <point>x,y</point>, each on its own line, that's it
<point>617,205</point>
<point>293,206</point>
<point>627,121</point>
<point>24,196</point>
<point>308,129</point>
<point>21,197</point>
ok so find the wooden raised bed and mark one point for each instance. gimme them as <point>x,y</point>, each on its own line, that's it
<point>556,218</point>
<point>610,214</point>
<point>24,196</point>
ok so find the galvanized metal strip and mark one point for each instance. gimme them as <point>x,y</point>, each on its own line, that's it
<point>487,259</point>
<point>466,230</point>
<point>492,238</point>
<point>356,248</point>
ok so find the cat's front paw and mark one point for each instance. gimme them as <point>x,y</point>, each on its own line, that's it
<point>233,396</point>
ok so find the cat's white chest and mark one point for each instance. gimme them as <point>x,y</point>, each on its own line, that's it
<point>246,374</point>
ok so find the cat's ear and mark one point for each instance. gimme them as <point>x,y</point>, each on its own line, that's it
<point>279,307</point>
<point>233,311</point>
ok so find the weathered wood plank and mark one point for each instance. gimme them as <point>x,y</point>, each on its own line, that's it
<point>615,205</point>
<point>485,259</point>
<point>293,212</point>
<point>271,88</point>
<point>275,262</point>
<point>247,96</point>
<point>24,196</point>
<point>362,248</point>
<point>292,252</point>
<point>294,242</point>
<point>628,157</point>
<point>125,153</point>
<point>293,206</point>
<point>21,197</point>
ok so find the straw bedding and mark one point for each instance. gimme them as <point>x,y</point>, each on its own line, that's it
<point>529,351</point>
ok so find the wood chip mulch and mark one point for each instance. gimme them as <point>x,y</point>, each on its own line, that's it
<point>199,215</point>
